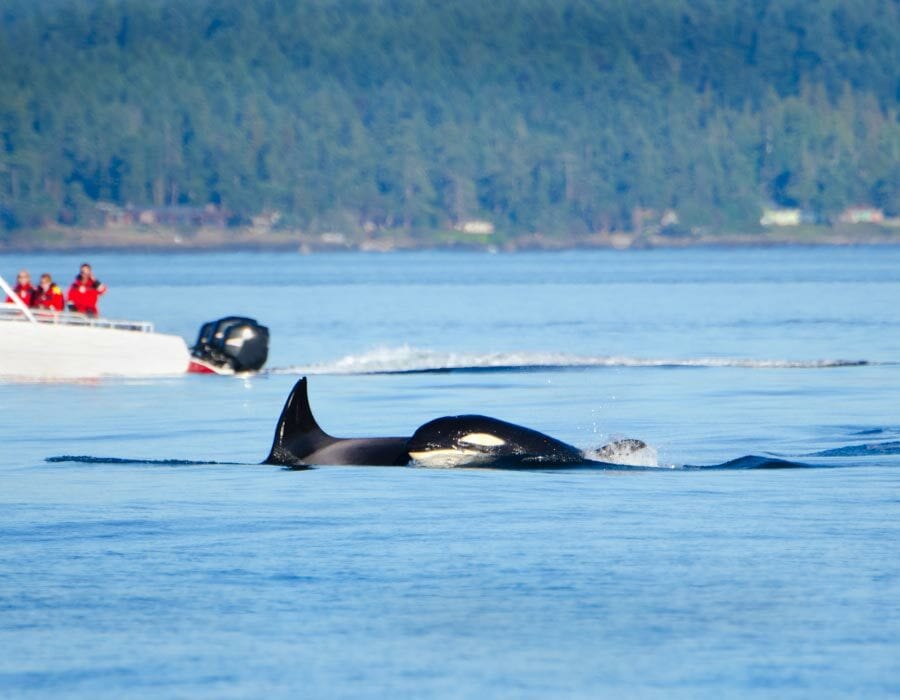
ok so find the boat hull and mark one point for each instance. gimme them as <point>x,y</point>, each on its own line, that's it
<point>200,366</point>
<point>46,351</point>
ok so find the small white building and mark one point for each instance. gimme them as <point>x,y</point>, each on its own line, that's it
<point>476,227</point>
<point>333,238</point>
<point>781,217</point>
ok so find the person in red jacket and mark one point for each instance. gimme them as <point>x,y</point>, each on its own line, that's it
<point>85,291</point>
<point>23,288</point>
<point>48,295</point>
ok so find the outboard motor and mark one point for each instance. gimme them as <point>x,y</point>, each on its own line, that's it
<point>231,344</point>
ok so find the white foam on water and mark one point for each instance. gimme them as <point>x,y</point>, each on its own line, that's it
<point>627,453</point>
<point>402,359</point>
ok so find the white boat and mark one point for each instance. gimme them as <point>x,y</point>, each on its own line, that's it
<point>73,346</point>
<point>48,345</point>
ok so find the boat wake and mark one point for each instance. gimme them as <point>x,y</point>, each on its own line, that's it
<point>410,360</point>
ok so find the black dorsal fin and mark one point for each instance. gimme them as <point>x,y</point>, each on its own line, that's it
<point>297,434</point>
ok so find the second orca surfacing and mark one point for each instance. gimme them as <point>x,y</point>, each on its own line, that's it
<point>451,441</point>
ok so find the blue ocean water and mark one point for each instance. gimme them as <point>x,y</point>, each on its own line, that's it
<point>241,580</point>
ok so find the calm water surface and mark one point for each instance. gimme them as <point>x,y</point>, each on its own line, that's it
<point>239,580</point>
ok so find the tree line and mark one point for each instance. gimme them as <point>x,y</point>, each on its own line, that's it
<point>552,116</point>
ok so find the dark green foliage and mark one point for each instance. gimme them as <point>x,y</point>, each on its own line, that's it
<point>560,116</point>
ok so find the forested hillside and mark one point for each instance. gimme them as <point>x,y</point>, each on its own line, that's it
<point>558,116</point>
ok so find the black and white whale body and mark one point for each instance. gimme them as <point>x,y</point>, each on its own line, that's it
<point>461,441</point>
<point>299,441</point>
<point>451,441</point>
<point>472,441</point>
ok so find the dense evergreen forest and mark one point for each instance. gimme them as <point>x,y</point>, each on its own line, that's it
<point>559,116</point>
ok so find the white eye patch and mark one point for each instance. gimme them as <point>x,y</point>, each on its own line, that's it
<point>481,440</point>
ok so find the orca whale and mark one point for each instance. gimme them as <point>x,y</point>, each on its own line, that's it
<point>299,441</point>
<point>469,441</point>
<point>451,441</point>
<point>482,441</point>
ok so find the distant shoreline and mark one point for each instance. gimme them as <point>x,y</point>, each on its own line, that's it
<point>59,240</point>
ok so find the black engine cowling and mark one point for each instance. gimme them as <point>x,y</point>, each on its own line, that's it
<point>236,342</point>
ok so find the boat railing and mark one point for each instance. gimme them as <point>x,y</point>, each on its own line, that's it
<point>12,312</point>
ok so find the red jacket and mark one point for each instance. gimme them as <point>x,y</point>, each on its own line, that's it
<point>26,294</point>
<point>51,298</point>
<point>83,295</point>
